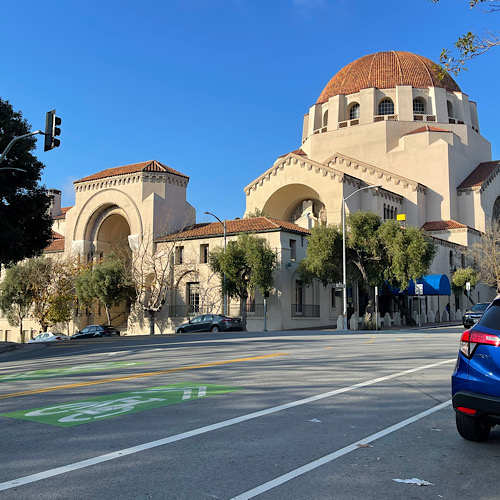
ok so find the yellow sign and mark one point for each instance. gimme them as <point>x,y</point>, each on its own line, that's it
<point>401,217</point>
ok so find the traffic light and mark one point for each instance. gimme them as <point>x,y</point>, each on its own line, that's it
<point>52,130</point>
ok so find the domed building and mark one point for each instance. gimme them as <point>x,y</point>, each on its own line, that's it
<point>386,120</point>
<point>389,119</point>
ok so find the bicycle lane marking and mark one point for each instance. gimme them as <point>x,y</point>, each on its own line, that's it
<point>67,370</point>
<point>40,476</point>
<point>104,407</point>
<point>137,375</point>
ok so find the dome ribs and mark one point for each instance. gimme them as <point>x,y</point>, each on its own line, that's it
<point>384,70</point>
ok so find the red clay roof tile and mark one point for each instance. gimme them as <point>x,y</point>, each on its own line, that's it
<point>236,226</point>
<point>147,166</point>
<point>57,244</point>
<point>427,128</point>
<point>385,70</point>
<point>480,174</point>
<point>299,152</point>
<point>442,225</point>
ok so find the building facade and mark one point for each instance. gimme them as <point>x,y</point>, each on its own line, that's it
<point>386,120</point>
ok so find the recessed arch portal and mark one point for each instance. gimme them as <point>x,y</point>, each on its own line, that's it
<point>286,203</point>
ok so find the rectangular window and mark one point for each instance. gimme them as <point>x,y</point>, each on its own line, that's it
<point>203,254</point>
<point>193,295</point>
<point>299,296</point>
<point>333,298</point>
<point>179,255</point>
<point>293,250</point>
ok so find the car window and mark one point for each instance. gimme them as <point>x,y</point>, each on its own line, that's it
<point>491,318</point>
<point>480,307</point>
<point>197,319</point>
<point>207,317</point>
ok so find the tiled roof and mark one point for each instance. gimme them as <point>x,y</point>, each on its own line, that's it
<point>442,225</point>
<point>236,226</point>
<point>63,214</point>
<point>57,244</point>
<point>427,128</point>
<point>296,152</point>
<point>480,174</point>
<point>385,70</point>
<point>147,166</point>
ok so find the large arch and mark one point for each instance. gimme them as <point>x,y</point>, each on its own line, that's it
<point>94,213</point>
<point>285,200</point>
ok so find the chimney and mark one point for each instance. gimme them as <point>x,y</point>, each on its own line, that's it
<point>55,203</point>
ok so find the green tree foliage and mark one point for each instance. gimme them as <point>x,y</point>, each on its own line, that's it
<point>461,277</point>
<point>52,287</point>
<point>470,45</point>
<point>409,253</point>
<point>25,224</point>
<point>375,252</point>
<point>248,264</point>
<point>324,256</point>
<point>16,296</point>
<point>486,256</point>
<point>108,282</point>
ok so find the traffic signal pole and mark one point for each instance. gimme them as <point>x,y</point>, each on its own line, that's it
<point>11,143</point>
<point>52,130</point>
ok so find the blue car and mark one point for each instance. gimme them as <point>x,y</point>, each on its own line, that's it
<point>476,379</point>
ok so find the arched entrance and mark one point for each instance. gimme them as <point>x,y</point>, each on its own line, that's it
<point>107,231</point>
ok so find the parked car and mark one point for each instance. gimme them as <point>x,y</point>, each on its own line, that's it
<point>48,337</point>
<point>472,316</point>
<point>476,379</point>
<point>95,331</point>
<point>210,323</point>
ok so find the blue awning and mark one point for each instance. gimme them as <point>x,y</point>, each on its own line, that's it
<point>434,284</point>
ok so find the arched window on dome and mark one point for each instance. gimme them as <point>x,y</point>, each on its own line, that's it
<point>418,106</point>
<point>325,118</point>
<point>450,109</point>
<point>386,107</point>
<point>354,111</point>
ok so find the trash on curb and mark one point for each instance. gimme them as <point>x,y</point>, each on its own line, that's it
<point>415,480</point>
<point>315,420</point>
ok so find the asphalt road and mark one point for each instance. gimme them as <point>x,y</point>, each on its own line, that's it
<point>281,415</point>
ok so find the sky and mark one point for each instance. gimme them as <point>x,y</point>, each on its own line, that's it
<point>215,89</point>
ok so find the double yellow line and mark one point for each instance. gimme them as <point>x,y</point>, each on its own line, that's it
<point>137,375</point>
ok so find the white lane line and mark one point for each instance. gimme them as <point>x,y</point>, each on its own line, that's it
<point>339,453</point>
<point>202,430</point>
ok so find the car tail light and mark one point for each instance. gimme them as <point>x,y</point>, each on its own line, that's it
<point>227,319</point>
<point>471,339</point>
<point>469,411</point>
<point>58,338</point>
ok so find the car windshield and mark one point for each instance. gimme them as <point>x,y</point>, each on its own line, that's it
<point>480,307</point>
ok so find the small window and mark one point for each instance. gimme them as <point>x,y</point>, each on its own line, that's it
<point>354,111</point>
<point>179,255</point>
<point>293,250</point>
<point>325,119</point>
<point>418,106</point>
<point>204,254</point>
<point>193,293</point>
<point>386,107</point>
<point>462,260</point>
<point>450,109</point>
<point>451,258</point>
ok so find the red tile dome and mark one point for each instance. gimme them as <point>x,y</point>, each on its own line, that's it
<point>385,70</point>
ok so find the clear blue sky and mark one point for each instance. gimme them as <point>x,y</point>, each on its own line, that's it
<point>214,89</point>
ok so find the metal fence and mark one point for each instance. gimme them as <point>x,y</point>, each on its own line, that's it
<point>305,310</point>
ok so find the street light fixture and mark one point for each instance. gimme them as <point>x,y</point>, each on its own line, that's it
<point>223,224</point>
<point>344,266</point>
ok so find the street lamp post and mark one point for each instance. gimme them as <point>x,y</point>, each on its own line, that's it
<point>344,266</point>
<point>223,224</point>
